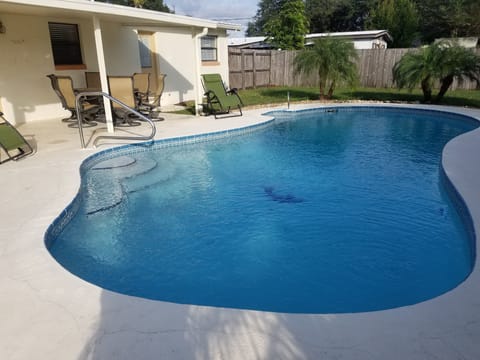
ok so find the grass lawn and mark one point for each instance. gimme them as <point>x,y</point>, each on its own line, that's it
<point>470,98</point>
<point>275,95</point>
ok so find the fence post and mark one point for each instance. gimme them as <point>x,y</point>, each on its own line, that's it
<point>254,69</point>
<point>270,69</point>
<point>242,67</point>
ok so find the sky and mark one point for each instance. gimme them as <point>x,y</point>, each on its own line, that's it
<point>238,12</point>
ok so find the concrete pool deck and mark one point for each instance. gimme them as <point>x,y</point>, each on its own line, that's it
<point>48,313</point>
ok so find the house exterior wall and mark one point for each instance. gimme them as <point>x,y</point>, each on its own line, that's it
<point>26,59</point>
<point>25,91</point>
<point>221,67</point>
<point>370,44</point>
<point>176,58</point>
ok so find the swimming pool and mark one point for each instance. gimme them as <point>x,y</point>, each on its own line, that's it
<point>319,212</point>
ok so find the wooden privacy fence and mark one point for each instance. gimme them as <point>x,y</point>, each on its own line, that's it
<point>260,68</point>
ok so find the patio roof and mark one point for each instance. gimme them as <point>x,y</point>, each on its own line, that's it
<point>128,16</point>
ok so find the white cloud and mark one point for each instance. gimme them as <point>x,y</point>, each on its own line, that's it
<point>217,9</point>
<point>222,10</point>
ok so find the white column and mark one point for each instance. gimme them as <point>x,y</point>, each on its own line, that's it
<point>197,86</point>
<point>103,72</point>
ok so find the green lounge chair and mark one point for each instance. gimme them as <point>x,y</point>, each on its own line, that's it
<point>219,100</point>
<point>12,142</point>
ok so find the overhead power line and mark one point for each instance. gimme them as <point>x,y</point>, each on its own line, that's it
<point>230,19</point>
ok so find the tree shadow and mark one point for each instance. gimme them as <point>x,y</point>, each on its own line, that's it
<point>135,328</point>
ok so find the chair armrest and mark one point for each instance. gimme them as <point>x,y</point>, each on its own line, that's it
<point>209,94</point>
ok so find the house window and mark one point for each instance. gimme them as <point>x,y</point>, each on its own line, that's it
<point>65,44</point>
<point>145,53</point>
<point>209,48</point>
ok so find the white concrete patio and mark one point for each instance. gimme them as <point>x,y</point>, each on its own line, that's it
<point>48,313</point>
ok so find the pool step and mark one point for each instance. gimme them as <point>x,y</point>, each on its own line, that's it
<point>101,193</point>
<point>162,173</point>
<point>104,184</point>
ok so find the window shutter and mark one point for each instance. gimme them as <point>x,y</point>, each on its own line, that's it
<point>65,44</point>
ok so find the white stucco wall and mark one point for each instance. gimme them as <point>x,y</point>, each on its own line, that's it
<point>176,58</point>
<point>25,91</point>
<point>26,59</point>
<point>121,49</point>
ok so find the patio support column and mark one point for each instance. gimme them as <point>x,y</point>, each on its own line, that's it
<point>103,72</point>
<point>197,86</point>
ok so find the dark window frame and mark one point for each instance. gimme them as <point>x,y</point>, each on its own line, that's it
<point>66,45</point>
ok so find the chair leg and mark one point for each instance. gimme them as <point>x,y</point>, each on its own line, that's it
<point>124,119</point>
<point>86,121</point>
<point>72,118</point>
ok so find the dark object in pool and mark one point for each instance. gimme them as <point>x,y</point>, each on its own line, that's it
<point>275,196</point>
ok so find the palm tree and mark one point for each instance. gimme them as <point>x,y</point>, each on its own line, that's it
<point>332,59</point>
<point>458,63</point>
<point>438,62</point>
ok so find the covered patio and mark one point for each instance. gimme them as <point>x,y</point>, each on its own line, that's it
<point>111,40</point>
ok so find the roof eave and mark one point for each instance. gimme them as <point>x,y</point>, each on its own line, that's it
<point>125,12</point>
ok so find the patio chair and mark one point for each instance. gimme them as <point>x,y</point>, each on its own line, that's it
<point>12,142</point>
<point>159,90</point>
<point>121,88</point>
<point>141,84</point>
<point>63,87</point>
<point>92,79</point>
<point>219,99</point>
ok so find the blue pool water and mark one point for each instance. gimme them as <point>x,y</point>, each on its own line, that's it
<point>321,212</point>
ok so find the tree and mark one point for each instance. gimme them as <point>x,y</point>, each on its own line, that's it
<point>457,62</point>
<point>288,28</point>
<point>157,5</point>
<point>337,15</point>
<point>399,17</point>
<point>438,62</point>
<point>333,60</point>
<point>448,18</point>
<point>267,9</point>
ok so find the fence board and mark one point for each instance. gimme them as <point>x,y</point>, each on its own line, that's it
<point>253,68</point>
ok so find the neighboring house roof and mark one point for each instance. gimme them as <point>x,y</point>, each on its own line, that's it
<point>354,35</point>
<point>258,42</point>
<point>130,16</point>
<point>245,41</point>
<point>467,42</point>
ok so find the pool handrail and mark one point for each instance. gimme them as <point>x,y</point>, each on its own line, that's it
<point>81,95</point>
